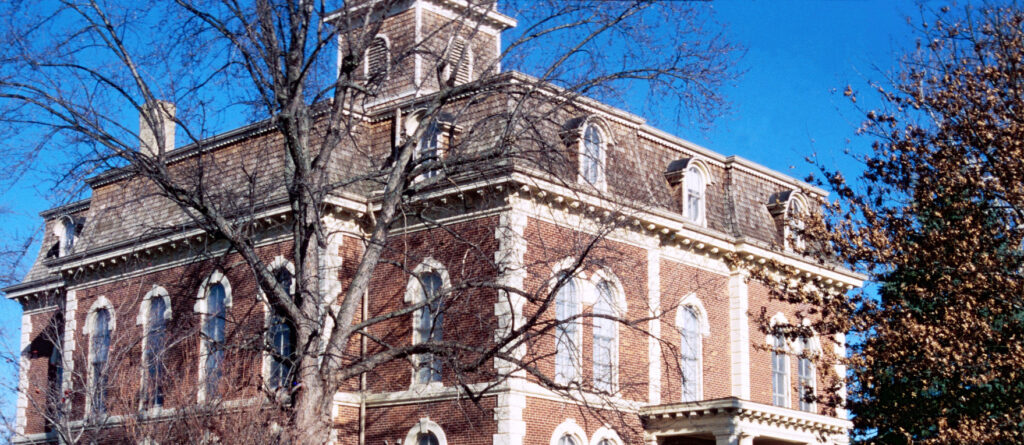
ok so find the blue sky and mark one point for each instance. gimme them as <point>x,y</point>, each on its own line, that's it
<point>799,57</point>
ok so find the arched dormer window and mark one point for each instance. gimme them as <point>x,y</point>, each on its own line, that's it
<point>592,156</point>
<point>100,325</point>
<point>153,316</point>
<point>212,303</point>
<point>378,58</point>
<point>426,287</point>
<point>692,323</point>
<point>795,215</point>
<point>66,232</point>
<point>689,178</point>
<point>567,331</point>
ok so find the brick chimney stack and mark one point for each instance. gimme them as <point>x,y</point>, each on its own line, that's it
<point>162,113</point>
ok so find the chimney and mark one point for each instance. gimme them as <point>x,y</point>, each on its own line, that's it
<point>162,114</point>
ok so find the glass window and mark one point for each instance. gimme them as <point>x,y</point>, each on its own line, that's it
<point>604,338</point>
<point>694,194</point>
<point>427,439</point>
<point>282,339</point>
<point>796,224</point>
<point>806,373</point>
<point>567,440</point>
<point>606,442</point>
<point>156,329</point>
<point>69,235</point>
<point>567,303</point>
<point>780,372</point>
<point>592,156</point>
<point>690,348</point>
<point>100,352</point>
<point>426,150</point>
<point>213,329</point>
<point>429,327</point>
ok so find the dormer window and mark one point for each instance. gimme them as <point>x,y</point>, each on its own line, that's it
<point>378,58</point>
<point>693,194</point>
<point>795,224</point>
<point>426,148</point>
<point>592,162</point>
<point>66,232</point>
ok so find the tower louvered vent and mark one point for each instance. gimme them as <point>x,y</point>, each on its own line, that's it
<point>460,57</point>
<point>377,58</point>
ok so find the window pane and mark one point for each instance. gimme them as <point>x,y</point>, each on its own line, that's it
<point>592,155</point>
<point>427,439</point>
<point>690,348</point>
<point>694,194</point>
<point>101,349</point>
<point>427,148</point>
<point>214,330</point>
<point>567,440</point>
<point>779,372</point>
<point>429,327</point>
<point>281,335</point>
<point>155,349</point>
<point>566,308</point>
<point>604,338</point>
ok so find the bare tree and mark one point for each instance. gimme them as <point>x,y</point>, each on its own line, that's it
<point>73,69</point>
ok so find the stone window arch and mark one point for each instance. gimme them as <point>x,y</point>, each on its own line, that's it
<point>608,299</point>
<point>605,436</point>
<point>427,286</point>
<point>100,324</point>
<point>692,325</point>
<point>569,433</point>
<point>154,313</point>
<point>425,432</point>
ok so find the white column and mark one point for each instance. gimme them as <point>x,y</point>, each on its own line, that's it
<point>739,334</point>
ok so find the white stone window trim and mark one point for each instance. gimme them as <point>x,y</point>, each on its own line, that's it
<point>142,319</point>
<point>570,428</point>
<point>279,262</point>
<point>90,327</point>
<point>387,56</point>
<point>424,426</point>
<point>579,279</point>
<point>201,308</point>
<point>414,295</point>
<point>606,143</point>
<point>605,433</point>
<point>619,306</point>
<point>700,167</point>
<point>794,221</point>
<point>692,303</point>
<point>779,319</point>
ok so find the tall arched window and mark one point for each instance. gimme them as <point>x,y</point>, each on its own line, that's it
<point>780,371</point>
<point>281,334</point>
<point>795,224</point>
<point>69,235</point>
<point>567,440</point>
<point>605,337</point>
<point>806,373</point>
<point>213,330</point>
<point>567,307</point>
<point>427,438</point>
<point>426,150</point>
<point>429,327</point>
<point>690,349</point>
<point>100,349</point>
<point>694,203</point>
<point>593,157</point>
<point>156,330</point>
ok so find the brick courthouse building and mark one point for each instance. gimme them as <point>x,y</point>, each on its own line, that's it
<point>685,226</point>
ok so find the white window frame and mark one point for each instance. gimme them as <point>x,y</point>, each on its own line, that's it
<point>795,221</point>
<point>414,295</point>
<point>267,360</point>
<point>692,303</point>
<point>695,166</point>
<point>780,320</point>
<point>619,308</point>
<point>605,143</point>
<point>605,433</point>
<point>577,356</point>
<point>424,426</point>
<point>217,277</point>
<point>65,243</point>
<point>90,327</point>
<point>143,319</point>
<point>808,348</point>
<point>570,428</point>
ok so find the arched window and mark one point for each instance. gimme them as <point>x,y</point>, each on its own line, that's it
<point>427,439</point>
<point>605,338</point>
<point>593,156</point>
<point>606,442</point>
<point>429,327</point>
<point>795,224</point>
<point>690,349</point>
<point>213,331</point>
<point>377,58</point>
<point>567,307</point>
<point>69,235</point>
<point>780,370</point>
<point>806,373</point>
<point>281,334</point>
<point>693,202</point>
<point>100,351</point>
<point>156,330</point>
<point>567,440</point>
<point>426,149</point>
